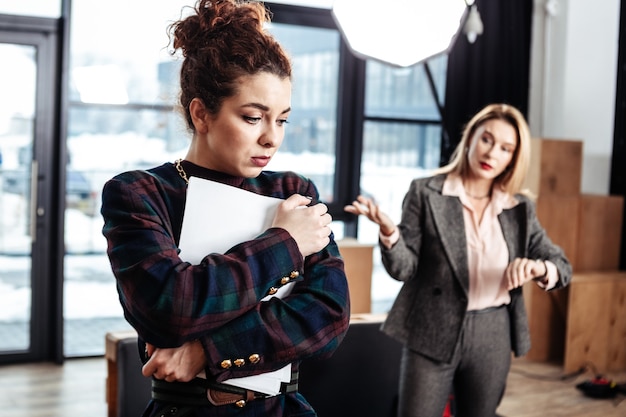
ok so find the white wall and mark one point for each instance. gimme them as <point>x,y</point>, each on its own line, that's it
<point>573,80</point>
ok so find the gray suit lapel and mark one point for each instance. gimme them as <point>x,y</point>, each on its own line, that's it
<point>448,217</point>
<point>513,231</point>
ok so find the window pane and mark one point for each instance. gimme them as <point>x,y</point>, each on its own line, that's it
<point>439,69</point>
<point>309,145</point>
<point>121,117</point>
<point>393,155</point>
<point>403,92</point>
<point>103,142</point>
<point>18,80</point>
<point>396,153</point>
<point>128,65</point>
<point>36,8</point>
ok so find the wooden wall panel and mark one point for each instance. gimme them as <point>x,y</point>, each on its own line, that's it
<point>599,233</point>
<point>547,312</point>
<point>555,167</point>
<point>358,263</point>
<point>617,330</point>
<point>595,322</point>
<point>559,216</point>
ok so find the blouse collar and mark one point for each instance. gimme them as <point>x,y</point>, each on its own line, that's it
<point>193,170</point>
<point>501,200</point>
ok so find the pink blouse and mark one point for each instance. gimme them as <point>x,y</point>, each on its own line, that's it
<point>487,252</point>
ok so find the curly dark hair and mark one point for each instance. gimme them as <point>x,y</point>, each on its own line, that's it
<point>222,41</point>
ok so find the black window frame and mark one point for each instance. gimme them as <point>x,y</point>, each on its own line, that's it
<point>351,115</point>
<point>350,105</point>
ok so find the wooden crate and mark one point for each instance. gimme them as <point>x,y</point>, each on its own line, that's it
<point>596,322</point>
<point>547,313</point>
<point>599,233</point>
<point>555,167</point>
<point>110,353</point>
<point>358,261</point>
<point>559,216</point>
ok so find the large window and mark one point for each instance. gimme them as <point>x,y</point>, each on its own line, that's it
<point>121,117</point>
<point>38,8</point>
<point>401,141</point>
<point>389,133</point>
<point>310,142</point>
<point>354,125</point>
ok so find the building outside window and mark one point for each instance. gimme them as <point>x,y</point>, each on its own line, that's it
<point>123,116</point>
<point>401,141</point>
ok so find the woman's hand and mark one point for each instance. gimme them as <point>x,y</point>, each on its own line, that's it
<point>175,364</point>
<point>522,270</point>
<point>367,207</point>
<point>308,225</point>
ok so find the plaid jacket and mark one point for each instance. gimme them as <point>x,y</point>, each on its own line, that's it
<point>169,301</point>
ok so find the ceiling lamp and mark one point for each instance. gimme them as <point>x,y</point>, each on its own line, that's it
<point>473,25</point>
<point>399,32</point>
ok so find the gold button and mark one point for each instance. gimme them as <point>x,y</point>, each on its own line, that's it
<point>226,363</point>
<point>241,403</point>
<point>240,362</point>
<point>273,290</point>
<point>285,280</point>
<point>254,358</point>
<point>294,274</point>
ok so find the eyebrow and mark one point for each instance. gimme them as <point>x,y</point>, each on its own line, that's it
<point>264,107</point>
<point>486,130</point>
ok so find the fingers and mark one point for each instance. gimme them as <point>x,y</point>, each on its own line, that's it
<point>321,226</point>
<point>176,364</point>
<point>319,209</point>
<point>363,205</point>
<point>296,200</point>
<point>368,207</point>
<point>308,225</point>
<point>161,371</point>
<point>522,270</point>
<point>149,350</point>
<point>149,368</point>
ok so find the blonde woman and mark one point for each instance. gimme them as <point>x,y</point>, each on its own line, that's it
<point>468,241</point>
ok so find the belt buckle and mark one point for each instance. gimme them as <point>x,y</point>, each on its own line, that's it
<point>217,397</point>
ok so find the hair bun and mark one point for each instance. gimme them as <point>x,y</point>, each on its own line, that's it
<point>217,20</point>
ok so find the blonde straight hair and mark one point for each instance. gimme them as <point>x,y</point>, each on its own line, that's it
<point>512,179</point>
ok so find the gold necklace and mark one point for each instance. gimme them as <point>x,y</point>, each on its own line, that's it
<point>477,197</point>
<point>181,170</point>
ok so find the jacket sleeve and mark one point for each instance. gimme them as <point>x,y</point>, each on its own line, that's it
<point>401,260</point>
<point>310,321</point>
<point>540,246</point>
<point>169,301</point>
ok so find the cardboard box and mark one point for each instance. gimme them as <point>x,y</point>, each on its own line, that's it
<point>596,322</point>
<point>559,216</point>
<point>358,260</point>
<point>599,233</point>
<point>547,312</point>
<point>555,167</point>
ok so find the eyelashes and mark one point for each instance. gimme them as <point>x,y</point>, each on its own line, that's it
<point>255,120</point>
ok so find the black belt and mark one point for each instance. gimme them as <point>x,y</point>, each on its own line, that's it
<point>201,392</point>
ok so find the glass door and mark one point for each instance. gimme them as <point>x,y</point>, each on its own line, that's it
<point>27,109</point>
<point>17,114</point>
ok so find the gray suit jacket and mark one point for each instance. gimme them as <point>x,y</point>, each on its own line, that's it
<point>431,259</point>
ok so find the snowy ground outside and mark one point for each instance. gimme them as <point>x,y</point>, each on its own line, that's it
<point>89,286</point>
